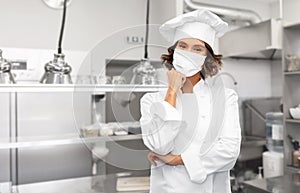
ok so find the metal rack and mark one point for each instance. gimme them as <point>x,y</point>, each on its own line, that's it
<point>15,144</point>
<point>291,86</point>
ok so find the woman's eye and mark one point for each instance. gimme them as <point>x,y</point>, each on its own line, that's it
<point>198,49</point>
<point>182,46</point>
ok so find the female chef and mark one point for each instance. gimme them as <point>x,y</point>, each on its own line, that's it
<point>192,128</point>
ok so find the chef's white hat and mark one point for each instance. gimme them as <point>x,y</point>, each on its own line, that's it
<point>201,24</point>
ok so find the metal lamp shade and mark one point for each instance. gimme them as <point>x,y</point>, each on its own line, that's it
<point>57,71</point>
<point>5,71</point>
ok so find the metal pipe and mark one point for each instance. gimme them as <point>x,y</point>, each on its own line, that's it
<point>147,29</point>
<point>281,9</point>
<point>230,13</point>
<point>62,27</point>
<point>227,74</point>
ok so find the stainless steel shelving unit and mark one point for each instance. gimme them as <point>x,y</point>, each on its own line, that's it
<point>14,143</point>
<point>292,121</point>
<point>69,139</point>
<point>291,87</point>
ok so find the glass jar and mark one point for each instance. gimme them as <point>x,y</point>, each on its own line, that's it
<point>274,131</point>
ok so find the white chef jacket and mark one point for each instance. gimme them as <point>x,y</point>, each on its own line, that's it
<point>181,130</point>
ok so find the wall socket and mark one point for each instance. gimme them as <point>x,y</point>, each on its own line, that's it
<point>135,39</point>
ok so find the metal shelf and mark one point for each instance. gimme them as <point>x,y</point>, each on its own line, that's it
<point>292,73</point>
<point>97,88</point>
<point>292,169</point>
<point>292,121</point>
<point>67,139</point>
<point>291,25</point>
<point>266,34</point>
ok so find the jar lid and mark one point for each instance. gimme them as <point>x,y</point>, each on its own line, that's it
<point>274,114</point>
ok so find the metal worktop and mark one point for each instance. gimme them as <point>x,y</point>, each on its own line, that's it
<point>99,184</point>
<point>289,183</point>
<point>64,139</point>
<point>89,88</point>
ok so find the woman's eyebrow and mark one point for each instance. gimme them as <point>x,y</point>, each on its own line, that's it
<point>198,45</point>
<point>182,43</point>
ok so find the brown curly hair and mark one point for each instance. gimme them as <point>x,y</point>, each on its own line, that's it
<point>211,66</point>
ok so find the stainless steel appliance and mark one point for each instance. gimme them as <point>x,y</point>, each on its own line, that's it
<point>4,135</point>
<point>51,115</point>
<point>39,117</point>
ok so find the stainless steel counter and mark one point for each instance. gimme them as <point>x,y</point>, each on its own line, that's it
<point>289,183</point>
<point>57,140</point>
<point>99,184</point>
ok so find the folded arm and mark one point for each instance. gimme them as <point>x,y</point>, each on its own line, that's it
<point>160,123</point>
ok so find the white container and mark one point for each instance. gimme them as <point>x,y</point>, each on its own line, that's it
<point>272,164</point>
<point>295,112</point>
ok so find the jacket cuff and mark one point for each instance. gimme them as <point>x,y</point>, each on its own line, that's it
<point>194,165</point>
<point>165,111</point>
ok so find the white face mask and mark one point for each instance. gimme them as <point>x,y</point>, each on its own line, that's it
<point>187,63</point>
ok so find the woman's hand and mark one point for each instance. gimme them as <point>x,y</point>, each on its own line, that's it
<point>169,159</point>
<point>175,79</point>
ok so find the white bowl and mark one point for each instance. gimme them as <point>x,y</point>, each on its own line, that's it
<point>295,112</point>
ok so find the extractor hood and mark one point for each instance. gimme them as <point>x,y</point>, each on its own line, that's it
<point>258,41</point>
